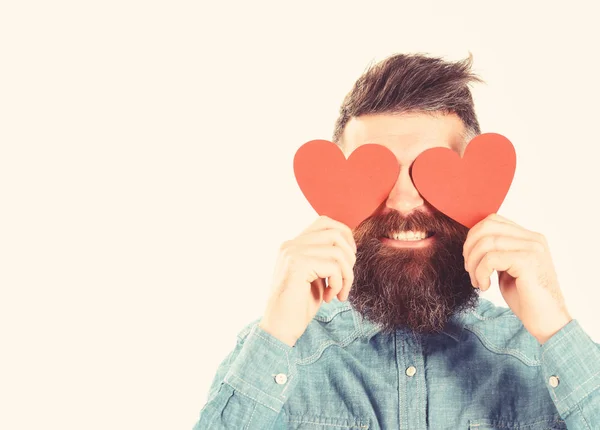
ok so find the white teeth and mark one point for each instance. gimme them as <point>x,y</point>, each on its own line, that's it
<point>408,235</point>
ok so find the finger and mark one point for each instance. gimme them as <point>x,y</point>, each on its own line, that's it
<point>345,291</point>
<point>500,218</point>
<point>491,227</point>
<point>497,243</point>
<point>328,237</point>
<point>320,253</point>
<point>326,223</point>
<point>335,285</point>
<point>323,269</point>
<point>500,261</point>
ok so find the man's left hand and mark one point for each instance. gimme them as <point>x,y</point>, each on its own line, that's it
<point>526,274</point>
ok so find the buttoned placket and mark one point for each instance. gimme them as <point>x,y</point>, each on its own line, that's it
<point>412,395</point>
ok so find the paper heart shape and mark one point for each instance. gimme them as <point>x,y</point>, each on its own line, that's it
<point>349,190</point>
<point>470,188</point>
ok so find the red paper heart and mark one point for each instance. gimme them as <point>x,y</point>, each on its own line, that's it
<point>350,190</point>
<point>468,189</point>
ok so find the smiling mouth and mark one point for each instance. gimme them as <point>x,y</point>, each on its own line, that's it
<point>409,236</point>
<point>408,239</point>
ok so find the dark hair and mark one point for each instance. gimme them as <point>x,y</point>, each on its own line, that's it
<point>412,83</point>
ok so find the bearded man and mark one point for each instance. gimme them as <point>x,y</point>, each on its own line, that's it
<point>383,327</point>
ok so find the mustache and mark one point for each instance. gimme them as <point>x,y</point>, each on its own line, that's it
<point>380,225</point>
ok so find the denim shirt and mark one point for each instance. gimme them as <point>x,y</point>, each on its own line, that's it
<point>484,371</point>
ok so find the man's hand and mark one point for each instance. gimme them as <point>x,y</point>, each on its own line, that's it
<point>525,269</point>
<point>326,249</point>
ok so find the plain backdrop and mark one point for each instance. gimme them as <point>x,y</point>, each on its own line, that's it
<point>146,177</point>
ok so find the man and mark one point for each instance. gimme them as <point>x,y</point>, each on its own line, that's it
<point>403,340</point>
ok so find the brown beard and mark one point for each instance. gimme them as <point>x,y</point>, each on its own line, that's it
<point>417,288</point>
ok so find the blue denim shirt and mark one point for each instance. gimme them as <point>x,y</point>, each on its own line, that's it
<point>484,371</point>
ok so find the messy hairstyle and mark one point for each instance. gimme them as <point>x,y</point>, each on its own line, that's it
<point>412,83</point>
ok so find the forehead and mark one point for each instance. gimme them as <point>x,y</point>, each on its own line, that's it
<point>406,135</point>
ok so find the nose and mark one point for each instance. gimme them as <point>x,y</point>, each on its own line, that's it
<point>404,197</point>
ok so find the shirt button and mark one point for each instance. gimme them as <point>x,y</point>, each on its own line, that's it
<point>410,371</point>
<point>553,381</point>
<point>281,379</point>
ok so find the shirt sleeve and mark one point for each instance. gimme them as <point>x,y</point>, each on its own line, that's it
<point>251,385</point>
<point>571,368</point>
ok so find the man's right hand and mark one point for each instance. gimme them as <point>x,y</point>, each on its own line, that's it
<point>325,250</point>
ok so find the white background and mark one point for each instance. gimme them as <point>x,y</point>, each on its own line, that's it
<point>146,175</point>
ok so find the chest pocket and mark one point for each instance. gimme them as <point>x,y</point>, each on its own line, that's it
<point>320,422</point>
<point>549,423</point>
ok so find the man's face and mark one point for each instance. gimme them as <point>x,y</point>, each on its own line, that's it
<point>409,270</point>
